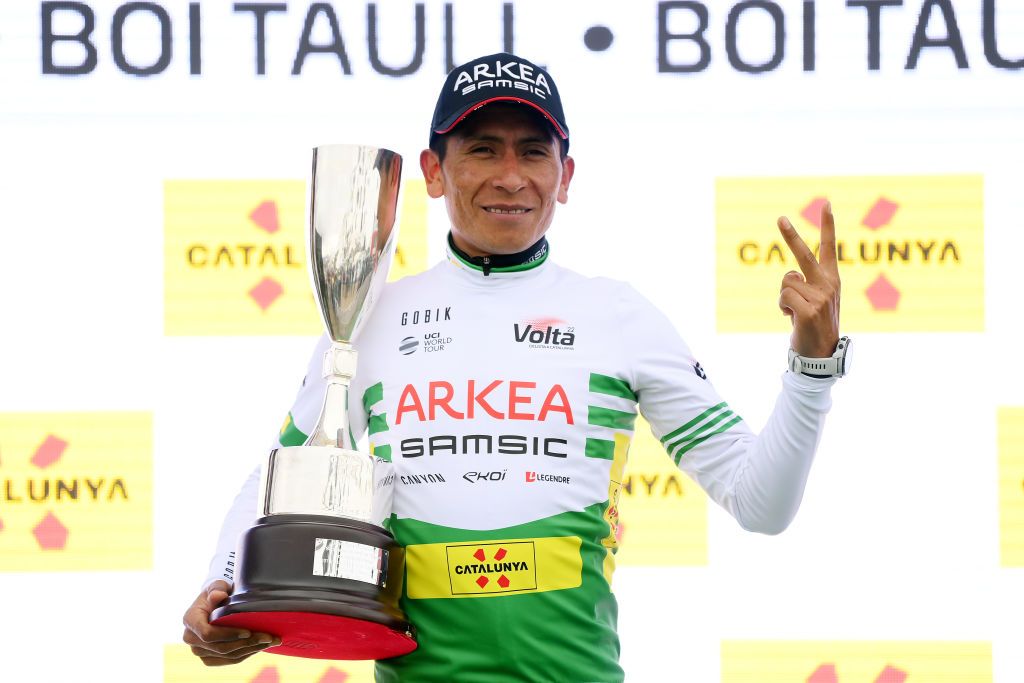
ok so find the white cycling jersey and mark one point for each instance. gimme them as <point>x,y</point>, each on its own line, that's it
<point>505,403</point>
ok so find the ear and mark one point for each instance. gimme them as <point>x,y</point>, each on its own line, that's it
<point>431,167</point>
<point>568,168</point>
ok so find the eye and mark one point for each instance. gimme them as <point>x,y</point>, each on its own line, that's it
<point>481,149</point>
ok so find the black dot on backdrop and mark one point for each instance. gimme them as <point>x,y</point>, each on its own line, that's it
<point>598,38</point>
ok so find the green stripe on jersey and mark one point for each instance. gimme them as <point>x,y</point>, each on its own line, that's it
<point>290,434</point>
<point>372,395</point>
<point>603,384</point>
<point>382,452</point>
<point>600,448</point>
<point>607,417</point>
<point>696,442</point>
<point>693,434</point>
<point>691,423</point>
<point>377,423</point>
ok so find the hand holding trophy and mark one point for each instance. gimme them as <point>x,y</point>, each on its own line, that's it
<point>317,570</point>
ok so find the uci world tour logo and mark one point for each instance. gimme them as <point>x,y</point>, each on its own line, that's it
<point>408,346</point>
<point>545,333</point>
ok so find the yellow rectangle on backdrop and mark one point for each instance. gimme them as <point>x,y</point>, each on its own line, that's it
<point>911,250</point>
<point>1010,439</point>
<point>235,256</point>
<point>784,661</point>
<point>181,666</point>
<point>663,514</point>
<point>77,491</point>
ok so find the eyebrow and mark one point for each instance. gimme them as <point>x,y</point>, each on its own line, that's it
<point>474,137</point>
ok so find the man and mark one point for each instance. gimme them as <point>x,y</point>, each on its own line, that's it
<point>510,437</point>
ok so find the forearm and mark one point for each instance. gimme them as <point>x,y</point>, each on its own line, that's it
<point>768,487</point>
<point>240,517</point>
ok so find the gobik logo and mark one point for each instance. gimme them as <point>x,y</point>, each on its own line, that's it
<point>494,568</point>
<point>76,491</point>
<point>235,256</point>
<point>910,249</point>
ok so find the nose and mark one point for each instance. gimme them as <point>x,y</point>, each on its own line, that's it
<point>509,176</point>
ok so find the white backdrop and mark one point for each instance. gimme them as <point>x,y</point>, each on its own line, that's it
<point>898,538</point>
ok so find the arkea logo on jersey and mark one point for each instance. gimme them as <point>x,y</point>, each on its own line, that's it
<point>499,399</point>
<point>545,333</point>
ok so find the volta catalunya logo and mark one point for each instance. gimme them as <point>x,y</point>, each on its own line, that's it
<point>910,249</point>
<point>75,491</point>
<point>235,256</point>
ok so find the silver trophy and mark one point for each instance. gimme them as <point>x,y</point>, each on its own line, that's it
<point>318,570</point>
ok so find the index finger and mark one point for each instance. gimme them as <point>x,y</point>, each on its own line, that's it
<point>827,250</point>
<point>804,256</point>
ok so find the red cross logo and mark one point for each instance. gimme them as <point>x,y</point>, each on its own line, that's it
<point>499,555</point>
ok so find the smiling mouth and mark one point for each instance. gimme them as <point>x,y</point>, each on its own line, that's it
<point>506,212</point>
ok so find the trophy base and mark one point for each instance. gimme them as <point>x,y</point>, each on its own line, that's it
<point>321,605</point>
<point>318,635</point>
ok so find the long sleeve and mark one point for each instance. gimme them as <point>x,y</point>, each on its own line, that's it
<point>759,479</point>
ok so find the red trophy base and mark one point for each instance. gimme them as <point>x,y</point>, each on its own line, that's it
<point>323,636</point>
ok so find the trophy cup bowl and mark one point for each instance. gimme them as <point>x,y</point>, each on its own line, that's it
<point>318,569</point>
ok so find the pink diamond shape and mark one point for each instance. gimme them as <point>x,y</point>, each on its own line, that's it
<point>500,555</point>
<point>503,581</point>
<point>49,451</point>
<point>1,525</point>
<point>812,212</point>
<point>482,581</point>
<point>266,292</point>
<point>891,674</point>
<point>265,217</point>
<point>50,533</point>
<point>333,676</point>
<point>826,673</point>
<point>267,674</point>
<point>880,213</point>
<point>883,295</point>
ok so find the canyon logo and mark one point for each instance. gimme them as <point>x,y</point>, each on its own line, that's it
<point>545,333</point>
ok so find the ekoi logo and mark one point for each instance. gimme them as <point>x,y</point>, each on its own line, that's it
<point>910,250</point>
<point>75,491</point>
<point>545,333</point>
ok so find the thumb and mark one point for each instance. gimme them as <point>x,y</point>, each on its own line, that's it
<point>216,593</point>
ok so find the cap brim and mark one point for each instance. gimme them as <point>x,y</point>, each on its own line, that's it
<point>456,118</point>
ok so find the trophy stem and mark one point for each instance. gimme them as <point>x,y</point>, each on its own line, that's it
<point>332,427</point>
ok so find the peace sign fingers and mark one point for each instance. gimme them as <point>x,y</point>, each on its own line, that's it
<point>812,301</point>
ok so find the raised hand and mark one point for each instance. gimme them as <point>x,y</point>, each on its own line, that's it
<point>811,300</point>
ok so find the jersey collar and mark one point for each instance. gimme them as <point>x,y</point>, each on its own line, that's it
<point>529,259</point>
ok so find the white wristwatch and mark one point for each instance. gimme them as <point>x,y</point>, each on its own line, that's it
<point>835,366</point>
